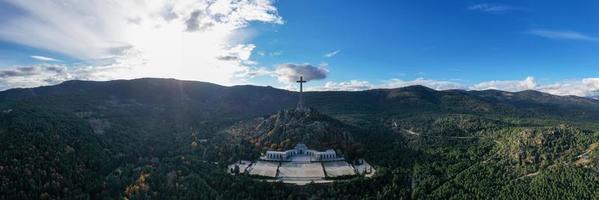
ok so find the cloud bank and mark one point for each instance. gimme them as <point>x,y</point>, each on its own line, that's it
<point>184,39</point>
<point>352,85</point>
<point>507,85</point>
<point>49,74</point>
<point>358,85</point>
<point>585,87</point>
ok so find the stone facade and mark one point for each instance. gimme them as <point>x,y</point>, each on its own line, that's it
<point>301,153</point>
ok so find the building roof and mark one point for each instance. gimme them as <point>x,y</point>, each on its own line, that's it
<point>276,152</point>
<point>300,146</point>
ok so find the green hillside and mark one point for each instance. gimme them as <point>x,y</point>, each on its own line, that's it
<point>171,139</point>
<point>286,128</point>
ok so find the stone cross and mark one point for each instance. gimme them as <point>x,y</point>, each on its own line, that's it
<point>300,104</point>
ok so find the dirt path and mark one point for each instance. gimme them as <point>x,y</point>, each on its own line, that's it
<point>411,132</point>
<point>528,175</point>
<point>439,136</point>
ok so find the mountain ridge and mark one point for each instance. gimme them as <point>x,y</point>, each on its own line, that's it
<point>410,87</point>
<point>260,100</point>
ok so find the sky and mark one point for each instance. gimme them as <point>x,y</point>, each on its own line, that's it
<point>549,46</point>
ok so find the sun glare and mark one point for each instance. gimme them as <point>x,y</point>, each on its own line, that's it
<point>168,50</point>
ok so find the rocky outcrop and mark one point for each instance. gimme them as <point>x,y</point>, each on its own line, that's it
<point>286,128</point>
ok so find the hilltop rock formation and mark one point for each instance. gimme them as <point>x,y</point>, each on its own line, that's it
<point>286,128</point>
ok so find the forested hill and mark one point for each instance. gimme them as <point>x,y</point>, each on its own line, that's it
<point>182,97</point>
<point>172,139</point>
<point>206,98</point>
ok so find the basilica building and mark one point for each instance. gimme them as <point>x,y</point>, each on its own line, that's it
<point>301,153</point>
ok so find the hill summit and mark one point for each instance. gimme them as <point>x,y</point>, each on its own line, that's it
<point>284,129</point>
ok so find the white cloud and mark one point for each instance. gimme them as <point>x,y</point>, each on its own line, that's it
<point>145,38</point>
<point>562,35</point>
<point>76,29</point>
<point>492,8</point>
<point>581,87</point>
<point>507,85</point>
<point>435,84</point>
<point>32,76</point>
<point>352,85</point>
<point>357,85</point>
<point>289,73</point>
<point>48,74</point>
<point>331,54</point>
<point>44,58</point>
<point>592,83</point>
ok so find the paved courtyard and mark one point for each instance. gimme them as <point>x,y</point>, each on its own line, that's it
<point>304,170</point>
<point>264,168</point>
<point>338,168</point>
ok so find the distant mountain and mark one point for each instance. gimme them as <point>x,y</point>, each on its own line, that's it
<point>420,99</point>
<point>200,99</point>
<point>164,96</point>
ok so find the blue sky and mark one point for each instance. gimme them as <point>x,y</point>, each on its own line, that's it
<point>551,46</point>
<point>436,39</point>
